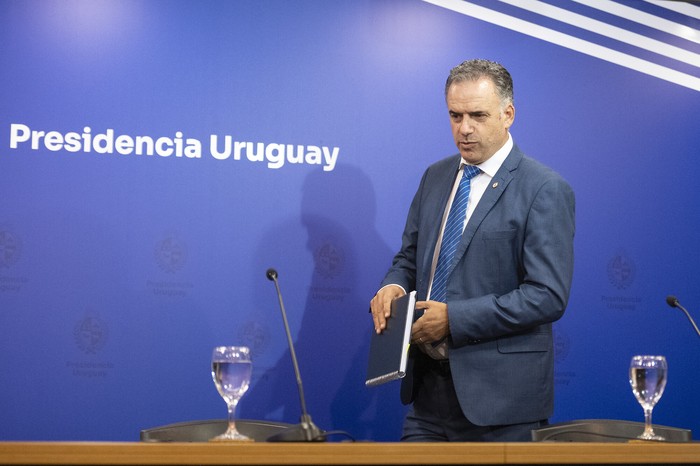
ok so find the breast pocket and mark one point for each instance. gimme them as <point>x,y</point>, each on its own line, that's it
<point>500,244</point>
<point>497,254</point>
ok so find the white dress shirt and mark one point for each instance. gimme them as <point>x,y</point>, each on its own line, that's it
<point>477,188</point>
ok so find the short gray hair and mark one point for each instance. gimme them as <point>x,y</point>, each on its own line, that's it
<point>473,70</point>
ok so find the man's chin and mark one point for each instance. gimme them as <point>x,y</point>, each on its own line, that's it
<point>471,158</point>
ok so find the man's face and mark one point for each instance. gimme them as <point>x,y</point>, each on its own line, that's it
<point>479,123</point>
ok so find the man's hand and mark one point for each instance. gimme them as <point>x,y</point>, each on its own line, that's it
<point>433,325</point>
<point>380,305</point>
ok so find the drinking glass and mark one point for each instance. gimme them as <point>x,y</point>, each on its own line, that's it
<point>231,369</point>
<point>648,380</point>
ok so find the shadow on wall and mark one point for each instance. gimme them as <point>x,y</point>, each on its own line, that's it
<point>349,260</point>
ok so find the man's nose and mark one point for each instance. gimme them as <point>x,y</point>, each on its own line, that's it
<point>466,126</point>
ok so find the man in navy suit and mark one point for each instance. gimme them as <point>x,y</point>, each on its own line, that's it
<point>481,364</point>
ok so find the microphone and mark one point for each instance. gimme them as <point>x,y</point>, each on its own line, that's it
<point>306,430</point>
<point>673,302</point>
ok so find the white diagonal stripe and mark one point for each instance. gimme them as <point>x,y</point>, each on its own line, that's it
<point>679,7</point>
<point>607,30</point>
<point>570,42</point>
<point>644,18</point>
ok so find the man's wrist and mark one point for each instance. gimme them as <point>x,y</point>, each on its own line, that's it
<point>392,284</point>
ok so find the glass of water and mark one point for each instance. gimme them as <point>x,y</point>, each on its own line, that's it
<point>648,380</point>
<point>231,369</point>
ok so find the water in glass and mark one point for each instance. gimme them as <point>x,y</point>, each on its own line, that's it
<point>648,380</point>
<point>231,370</point>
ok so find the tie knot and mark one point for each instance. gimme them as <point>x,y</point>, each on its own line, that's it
<point>470,171</point>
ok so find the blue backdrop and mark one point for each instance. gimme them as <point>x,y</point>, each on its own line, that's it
<point>156,157</point>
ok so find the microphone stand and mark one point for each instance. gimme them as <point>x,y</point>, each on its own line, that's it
<point>306,430</point>
<point>673,302</point>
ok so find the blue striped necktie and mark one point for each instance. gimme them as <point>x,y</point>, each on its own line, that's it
<point>454,227</point>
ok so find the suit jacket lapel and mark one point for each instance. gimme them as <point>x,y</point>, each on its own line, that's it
<point>446,185</point>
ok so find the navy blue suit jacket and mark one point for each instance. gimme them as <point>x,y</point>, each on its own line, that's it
<point>510,279</point>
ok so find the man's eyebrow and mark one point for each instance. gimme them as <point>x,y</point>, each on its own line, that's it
<point>470,113</point>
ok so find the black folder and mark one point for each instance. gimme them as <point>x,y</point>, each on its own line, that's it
<point>388,351</point>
